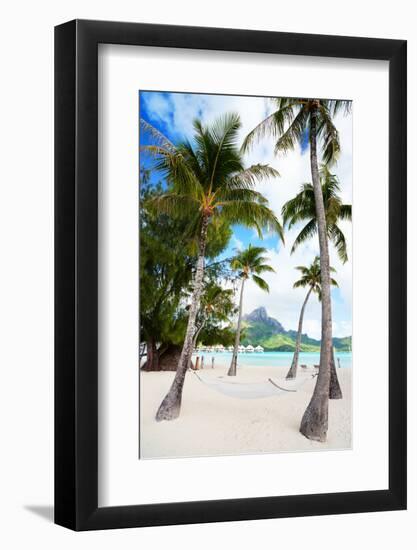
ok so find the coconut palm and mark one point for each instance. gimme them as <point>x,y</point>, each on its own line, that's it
<point>302,208</point>
<point>289,124</point>
<point>310,278</point>
<point>250,263</point>
<point>207,183</point>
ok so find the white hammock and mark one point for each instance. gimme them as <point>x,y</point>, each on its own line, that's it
<point>253,390</point>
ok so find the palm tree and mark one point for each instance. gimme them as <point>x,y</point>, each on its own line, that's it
<point>289,123</point>
<point>302,208</point>
<point>216,304</point>
<point>310,277</point>
<point>208,183</point>
<point>251,264</point>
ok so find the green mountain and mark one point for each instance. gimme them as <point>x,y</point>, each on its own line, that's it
<point>259,329</point>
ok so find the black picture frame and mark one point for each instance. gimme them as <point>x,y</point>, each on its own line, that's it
<point>76,272</point>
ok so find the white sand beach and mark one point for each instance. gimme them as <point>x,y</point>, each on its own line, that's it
<point>214,424</point>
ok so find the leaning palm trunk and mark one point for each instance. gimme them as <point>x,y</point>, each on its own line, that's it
<point>233,364</point>
<point>171,404</point>
<point>314,423</point>
<point>292,373</point>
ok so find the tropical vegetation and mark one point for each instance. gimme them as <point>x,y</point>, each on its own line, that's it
<point>166,268</point>
<point>208,186</point>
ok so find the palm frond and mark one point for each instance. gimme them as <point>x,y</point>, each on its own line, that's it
<point>252,214</point>
<point>235,263</point>
<point>273,125</point>
<point>339,241</point>
<point>251,176</point>
<point>157,136</point>
<point>300,284</point>
<point>306,233</point>
<point>300,208</point>
<point>173,204</point>
<point>223,134</point>
<point>294,133</point>
<point>261,283</point>
<point>192,159</point>
<point>345,212</point>
<point>336,105</point>
<point>263,268</point>
<point>329,135</point>
<point>225,195</point>
<point>302,268</point>
<point>176,169</point>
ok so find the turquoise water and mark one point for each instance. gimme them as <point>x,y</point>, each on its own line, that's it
<point>272,359</point>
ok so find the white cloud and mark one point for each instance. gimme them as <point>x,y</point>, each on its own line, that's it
<point>236,243</point>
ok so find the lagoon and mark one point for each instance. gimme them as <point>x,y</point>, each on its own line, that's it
<point>272,359</point>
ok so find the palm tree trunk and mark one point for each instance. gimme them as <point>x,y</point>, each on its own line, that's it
<point>335,391</point>
<point>314,423</point>
<point>233,364</point>
<point>292,373</point>
<point>196,335</point>
<point>171,404</point>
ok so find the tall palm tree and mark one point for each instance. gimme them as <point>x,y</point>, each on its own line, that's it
<point>289,123</point>
<point>302,208</point>
<point>250,263</point>
<point>208,182</point>
<point>311,278</point>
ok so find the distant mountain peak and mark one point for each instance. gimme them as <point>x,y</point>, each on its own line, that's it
<point>260,315</point>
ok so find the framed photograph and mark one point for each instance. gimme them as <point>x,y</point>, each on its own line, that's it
<point>230,248</point>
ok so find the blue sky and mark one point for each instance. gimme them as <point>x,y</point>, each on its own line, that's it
<point>173,114</point>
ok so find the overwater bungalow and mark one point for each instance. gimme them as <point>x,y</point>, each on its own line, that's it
<point>259,349</point>
<point>250,349</point>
